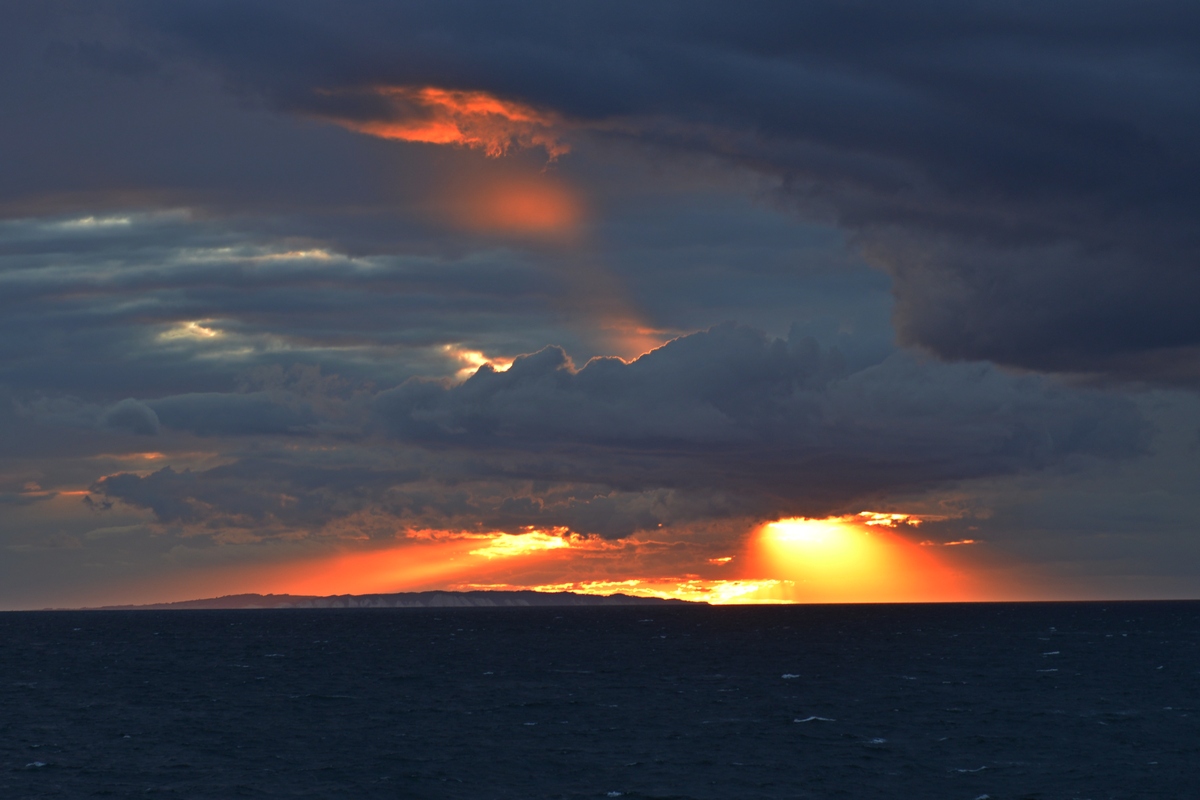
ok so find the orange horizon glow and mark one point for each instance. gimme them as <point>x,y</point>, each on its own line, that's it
<point>471,119</point>
<point>424,560</point>
<point>691,589</point>
<point>851,559</point>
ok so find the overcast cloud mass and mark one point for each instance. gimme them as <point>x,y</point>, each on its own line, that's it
<point>289,281</point>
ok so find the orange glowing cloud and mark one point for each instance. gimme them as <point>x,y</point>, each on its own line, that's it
<point>470,119</point>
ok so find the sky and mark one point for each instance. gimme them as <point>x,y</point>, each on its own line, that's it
<point>759,302</point>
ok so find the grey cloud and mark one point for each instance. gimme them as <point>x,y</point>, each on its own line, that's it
<point>212,413</point>
<point>269,496</point>
<point>256,493</point>
<point>778,423</point>
<point>725,424</point>
<point>10,499</point>
<point>615,514</point>
<point>200,413</point>
<point>707,389</point>
<point>130,416</point>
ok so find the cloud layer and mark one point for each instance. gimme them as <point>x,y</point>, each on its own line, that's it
<point>727,422</point>
<point>1019,170</point>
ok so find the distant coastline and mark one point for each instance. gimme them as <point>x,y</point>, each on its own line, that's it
<point>433,599</point>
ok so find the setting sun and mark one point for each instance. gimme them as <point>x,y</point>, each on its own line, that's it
<point>854,559</point>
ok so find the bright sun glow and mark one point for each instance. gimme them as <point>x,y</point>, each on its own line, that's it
<point>191,330</point>
<point>506,545</point>
<point>697,590</point>
<point>473,360</point>
<point>854,559</point>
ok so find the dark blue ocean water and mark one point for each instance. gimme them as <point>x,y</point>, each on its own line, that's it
<point>959,701</point>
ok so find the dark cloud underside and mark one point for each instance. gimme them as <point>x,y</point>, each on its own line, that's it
<point>778,427</point>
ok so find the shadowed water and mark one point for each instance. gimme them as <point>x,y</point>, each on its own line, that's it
<point>1065,700</point>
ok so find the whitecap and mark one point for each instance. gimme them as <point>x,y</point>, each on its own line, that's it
<point>814,719</point>
<point>35,764</point>
<point>789,675</point>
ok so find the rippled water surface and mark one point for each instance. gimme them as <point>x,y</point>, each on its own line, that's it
<point>1004,701</point>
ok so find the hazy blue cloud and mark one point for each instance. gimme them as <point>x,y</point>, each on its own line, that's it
<point>132,416</point>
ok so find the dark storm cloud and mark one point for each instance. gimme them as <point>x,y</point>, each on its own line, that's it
<point>1023,171</point>
<point>734,386</point>
<point>722,424</point>
<point>732,410</point>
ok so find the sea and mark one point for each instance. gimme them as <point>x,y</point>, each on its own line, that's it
<point>963,702</point>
